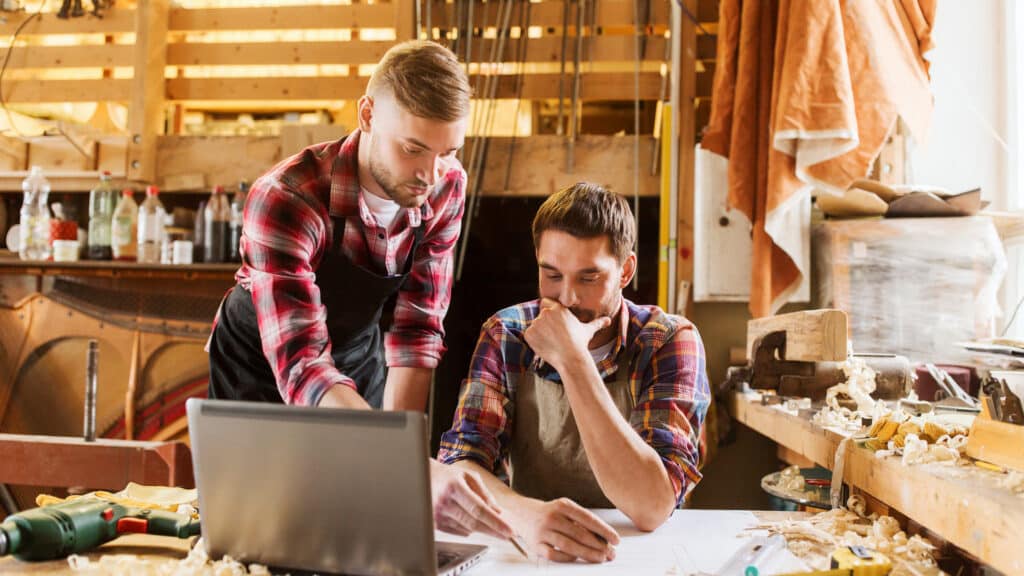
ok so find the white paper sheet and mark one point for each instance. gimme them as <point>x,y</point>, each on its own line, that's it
<point>690,542</point>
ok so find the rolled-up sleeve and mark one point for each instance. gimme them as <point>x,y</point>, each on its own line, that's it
<point>480,428</point>
<point>283,240</point>
<point>672,402</point>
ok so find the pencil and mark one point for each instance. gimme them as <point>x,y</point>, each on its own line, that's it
<point>519,546</point>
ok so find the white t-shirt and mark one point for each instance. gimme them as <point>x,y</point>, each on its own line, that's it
<point>384,210</point>
<point>602,352</point>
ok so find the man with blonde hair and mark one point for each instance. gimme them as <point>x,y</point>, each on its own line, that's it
<point>334,231</point>
<point>582,398</point>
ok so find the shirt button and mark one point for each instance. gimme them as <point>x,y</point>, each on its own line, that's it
<point>380,235</point>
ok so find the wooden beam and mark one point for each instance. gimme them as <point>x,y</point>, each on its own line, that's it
<point>146,111</point>
<point>85,56</point>
<point>113,21</point>
<point>99,90</point>
<point>595,86</point>
<point>359,15</point>
<point>965,506</point>
<point>537,165</point>
<point>545,49</point>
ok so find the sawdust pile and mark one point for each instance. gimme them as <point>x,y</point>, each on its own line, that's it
<point>197,563</point>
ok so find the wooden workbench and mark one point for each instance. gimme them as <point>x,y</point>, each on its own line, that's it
<point>963,505</point>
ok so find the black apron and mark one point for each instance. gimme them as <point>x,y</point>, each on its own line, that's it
<point>354,298</point>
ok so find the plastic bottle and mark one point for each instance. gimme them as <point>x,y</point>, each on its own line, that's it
<point>216,222</point>
<point>101,214</point>
<point>151,227</point>
<point>237,212</point>
<point>124,227</point>
<point>35,217</point>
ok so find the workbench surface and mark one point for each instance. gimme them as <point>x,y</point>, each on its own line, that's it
<point>963,504</point>
<point>691,541</point>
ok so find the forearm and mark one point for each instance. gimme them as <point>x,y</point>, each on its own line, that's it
<point>629,471</point>
<point>507,498</point>
<point>407,388</point>
<point>342,396</point>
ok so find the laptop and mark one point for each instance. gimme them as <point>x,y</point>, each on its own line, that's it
<point>318,489</point>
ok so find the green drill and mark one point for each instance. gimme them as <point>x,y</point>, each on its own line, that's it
<point>79,525</point>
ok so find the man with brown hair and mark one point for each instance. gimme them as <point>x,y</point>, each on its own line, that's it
<point>329,235</point>
<point>582,398</point>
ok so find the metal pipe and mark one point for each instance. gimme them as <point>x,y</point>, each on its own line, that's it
<point>91,369</point>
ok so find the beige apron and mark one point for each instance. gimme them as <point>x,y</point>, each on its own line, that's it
<point>547,456</point>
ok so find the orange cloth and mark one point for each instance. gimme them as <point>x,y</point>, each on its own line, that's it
<point>804,96</point>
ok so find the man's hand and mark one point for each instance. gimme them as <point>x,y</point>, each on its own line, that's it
<point>462,504</point>
<point>556,334</point>
<point>564,531</point>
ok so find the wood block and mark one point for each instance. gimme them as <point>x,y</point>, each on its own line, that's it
<point>295,137</point>
<point>811,335</point>
<point>195,181</point>
<point>13,154</point>
<point>996,442</point>
<point>112,154</point>
<point>57,153</point>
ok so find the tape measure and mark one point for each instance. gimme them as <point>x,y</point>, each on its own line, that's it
<point>854,561</point>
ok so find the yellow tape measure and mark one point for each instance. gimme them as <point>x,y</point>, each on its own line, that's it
<point>854,561</point>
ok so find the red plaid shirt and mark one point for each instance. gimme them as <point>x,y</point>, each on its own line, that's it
<point>286,233</point>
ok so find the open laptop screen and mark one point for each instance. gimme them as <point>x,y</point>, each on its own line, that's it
<point>314,488</point>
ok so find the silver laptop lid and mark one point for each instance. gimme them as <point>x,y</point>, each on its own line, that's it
<point>313,488</point>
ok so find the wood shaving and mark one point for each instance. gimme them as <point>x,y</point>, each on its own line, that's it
<point>791,480</point>
<point>813,540</point>
<point>1014,482</point>
<point>197,563</point>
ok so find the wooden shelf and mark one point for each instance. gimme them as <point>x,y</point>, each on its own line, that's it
<point>965,506</point>
<point>10,265</point>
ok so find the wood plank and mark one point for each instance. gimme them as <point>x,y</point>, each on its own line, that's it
<point>996,442</point>
<point>225,160</point>
<point>58,153</point>
<point>10,265</point>
<point>811,335</point>
<point>548,14</point>
<point>538,165</point>
<point>13,154</point>
<point>965,506</point>
<point>545,49</point>
<point>113,21</point>
<point>93,55</point>
<point>98,90</point>
<point>595,86</point>
<point>146,110</point>
<point>104,464</point>
<point>310,17</point>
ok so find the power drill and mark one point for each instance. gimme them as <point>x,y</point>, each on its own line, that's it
<point>78,525</point>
